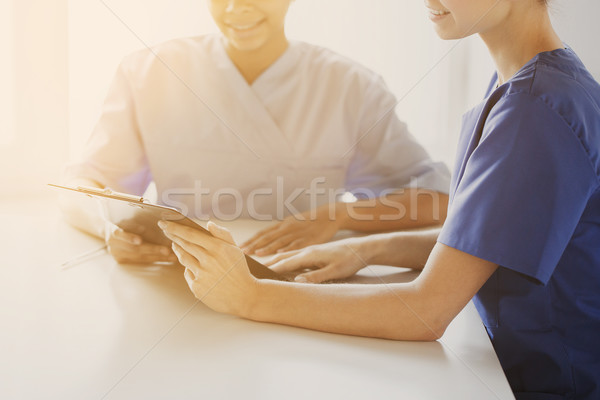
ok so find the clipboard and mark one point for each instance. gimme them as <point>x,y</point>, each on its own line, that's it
<point>137,215</point>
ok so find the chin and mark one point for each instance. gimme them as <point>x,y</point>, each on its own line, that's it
<point>446,34</point>
<point>248,45</point>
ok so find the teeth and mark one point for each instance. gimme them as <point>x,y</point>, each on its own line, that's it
<point>244,27</point>
<point>436,12</point>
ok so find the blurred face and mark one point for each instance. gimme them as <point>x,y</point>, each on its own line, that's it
<point>456,19</point>
<point>249,25</point>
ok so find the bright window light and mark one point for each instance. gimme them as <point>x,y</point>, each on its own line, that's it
<point>7,117</point>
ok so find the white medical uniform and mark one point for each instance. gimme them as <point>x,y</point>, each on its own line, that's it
<point>181,115</point>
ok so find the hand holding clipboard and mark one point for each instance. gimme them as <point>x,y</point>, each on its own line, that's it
<point>136,215</point>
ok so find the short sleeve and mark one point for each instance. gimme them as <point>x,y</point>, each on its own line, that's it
<point>523,189</point>
<point>114,155</point>
<point>386,155</point>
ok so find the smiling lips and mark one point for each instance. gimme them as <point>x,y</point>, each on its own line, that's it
<point>435,15</point>
<point>245,26</point>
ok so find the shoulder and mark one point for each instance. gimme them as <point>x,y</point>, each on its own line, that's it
<point>173,52</point>
<point>560,80</point>
<point>554,94</point>
<point>328,65</point>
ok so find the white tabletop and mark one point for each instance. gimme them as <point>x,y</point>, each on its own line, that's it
<point>100,330</point>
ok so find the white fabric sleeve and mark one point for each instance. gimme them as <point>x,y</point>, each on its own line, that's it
<point>114,155</point>
<point>386,156</point>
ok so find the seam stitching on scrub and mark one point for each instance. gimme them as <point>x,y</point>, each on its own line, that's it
<point>540,63</point>
<point>583,147</point>
<point>562,119</point>
<point>496,258</point>
<point>535,70</point>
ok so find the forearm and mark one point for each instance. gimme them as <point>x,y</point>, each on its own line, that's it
<point>400,249</point>
<point>392,311</point>
<point>385,311</point>
<point>82,212</point>
<point>412,208</point>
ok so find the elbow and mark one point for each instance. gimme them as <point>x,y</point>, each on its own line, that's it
<point>434,325</point>
<point>420,317</point>
<point>423,331</point>
<point>431,334</point>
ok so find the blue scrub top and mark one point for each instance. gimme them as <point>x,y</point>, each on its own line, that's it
<point>525,195</point>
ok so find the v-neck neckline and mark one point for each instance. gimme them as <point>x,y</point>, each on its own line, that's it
<point>275,65</point>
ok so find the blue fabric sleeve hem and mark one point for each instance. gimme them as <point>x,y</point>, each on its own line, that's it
<point>497,259</point>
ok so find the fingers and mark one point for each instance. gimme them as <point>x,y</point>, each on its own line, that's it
<point>189,278</point>
<point>220,232</point>
<point>281,256</point>
<point>206,249</point>
<point>292,233</point>
<point>188,260</point>
<point>294,262</point>
<point>250,243</point>
<point>190,254</point>
<point>126,247</point>
<point>196,236</point>
<point>275,245</point>
<point>189,275</point>
<point>299,243</point>
<point>263,240</point>
<point>153,249</point>
<point>317,276</point>
<point>128,237</point>
<point>131,256</point>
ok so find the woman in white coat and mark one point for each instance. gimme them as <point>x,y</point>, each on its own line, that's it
<point>250,124</point>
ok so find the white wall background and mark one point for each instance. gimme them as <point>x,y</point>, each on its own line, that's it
<point>64,53</point>
<point>7,73</point>
<point>577,24</point>
<point>33,81</point>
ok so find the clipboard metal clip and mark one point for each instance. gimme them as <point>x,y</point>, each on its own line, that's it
<point>109,192</point>
<point>106,192</point>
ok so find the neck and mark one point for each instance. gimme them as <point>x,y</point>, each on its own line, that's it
<point>526,33</point>
<point>252,63</point>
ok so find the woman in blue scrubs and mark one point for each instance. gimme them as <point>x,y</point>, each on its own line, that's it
<point>522,235</point>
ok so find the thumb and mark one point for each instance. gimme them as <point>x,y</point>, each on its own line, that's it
<point>220,232</point>
<point>318,276</point>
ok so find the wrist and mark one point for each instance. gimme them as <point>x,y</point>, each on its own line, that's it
<point>342,216</point>
<point>256,307</point>
<point>375,249</point>
<point>363,248</point>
